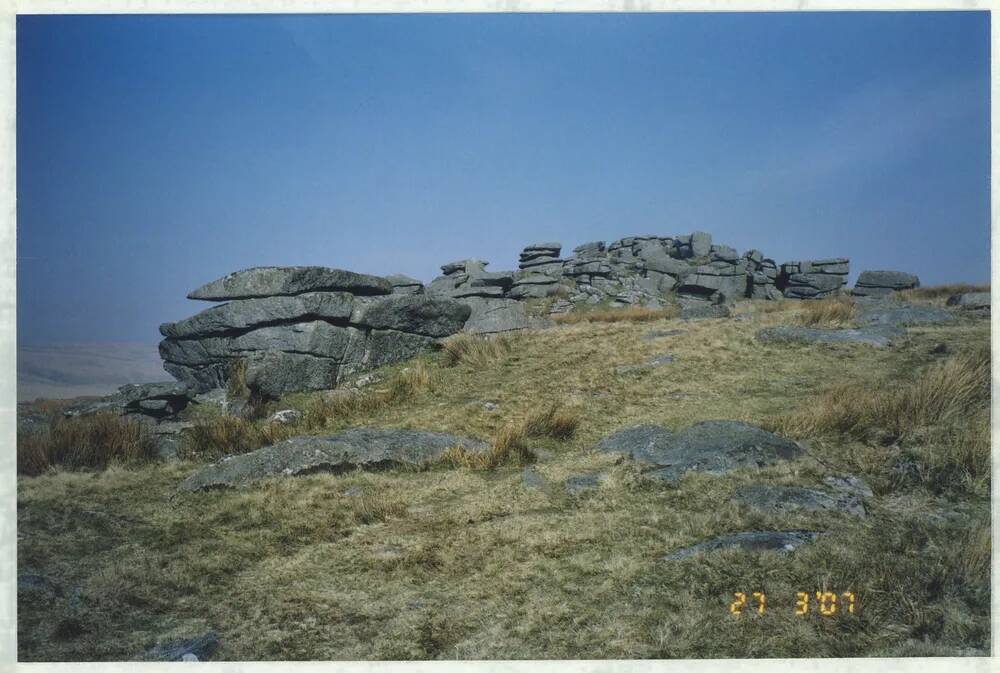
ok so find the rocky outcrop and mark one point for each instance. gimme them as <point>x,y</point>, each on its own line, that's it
<point>883,283</point>
<point>155,400</point>
<point>367,448</point>
<point>814,279</point>
<point>320,326</point>
<point>307,328</point>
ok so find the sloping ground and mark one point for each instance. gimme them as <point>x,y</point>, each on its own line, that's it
<point>451,562</point>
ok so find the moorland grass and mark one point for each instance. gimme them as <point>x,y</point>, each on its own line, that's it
<point>84,442</point>
<point>464,563</point>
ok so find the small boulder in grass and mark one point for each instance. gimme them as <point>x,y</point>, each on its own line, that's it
<point>286,417</point>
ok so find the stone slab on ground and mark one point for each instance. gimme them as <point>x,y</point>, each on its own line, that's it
<point>752,541</point>
<point>878,336</point>
<point>368,448</point>
<point>713,447</point>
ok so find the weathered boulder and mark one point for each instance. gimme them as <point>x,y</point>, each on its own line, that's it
<point>883,283</point>
<point>157,400</point>
<point>879,336</point>
<point>417,314</point>
<point>402,284</point>
<point>718,281</point>
<point>245,314</point>
<point>270,281</point>
<point>493,316</point>
<point>814,279</point>
<point>895,313</point>
<point>713,447</point>
<point>367,448</point>
<point>970,301</point>
<point>752,541</point>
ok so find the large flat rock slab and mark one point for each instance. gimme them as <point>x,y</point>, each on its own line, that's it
<point>879,336</point>
<point>713,447</point>
<point>270,281</point>
<point>368,448</point>
<point>242,314</point>
<point>898,314</point>
<point>751,541</point>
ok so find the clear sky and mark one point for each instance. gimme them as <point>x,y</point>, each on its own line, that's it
<point>156,153</point>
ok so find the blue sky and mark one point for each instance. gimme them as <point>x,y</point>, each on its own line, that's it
<point>156,153</point>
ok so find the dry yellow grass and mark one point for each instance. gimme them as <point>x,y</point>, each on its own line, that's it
<point>479,565</point>
<point>376,507</point>
<point>830,312</point>
<point>478,351</point>
<point>946,391</point>
<point>93,441</point>
<point>629,314</point>
<point>211,438</point>
<point>236,381</point>
<point>509,446</point>
<point>937,294</point>
<point>553,421</point>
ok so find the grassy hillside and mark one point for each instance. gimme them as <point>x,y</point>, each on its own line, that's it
<point>466,560</point>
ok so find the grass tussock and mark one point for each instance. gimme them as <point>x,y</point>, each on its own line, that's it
<point>945,407</point>
<point>945,392</point>
<point>553,421</point>
<point>478,352</point>
<point>213,438</point>
<point>236,379</point>
<point>378,507</point>
<point>509,446</point>
<point>94,441</point>
<point>630,314</point>
<point>407,384</point>
<point>830,312</point>
<point>938,293</point>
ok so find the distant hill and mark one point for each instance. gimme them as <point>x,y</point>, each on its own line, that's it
<point>72,370</point>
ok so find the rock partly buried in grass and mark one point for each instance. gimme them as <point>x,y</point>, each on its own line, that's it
<point>368,448</point>
<point>642,443</point>
<point>898,314</point>
<point>582,482</point>
<point>754,541</point>
<point>531,479</point>
<point>703,310</point>
<point>879,336</point>
<point>664,359</point>
<point>713,447</point>
<point>797,498</point>
<point>970,301</point>
<point>659,334</point>
<point>198,648</point>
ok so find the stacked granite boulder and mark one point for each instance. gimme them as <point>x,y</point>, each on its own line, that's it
<point>883,283</point>
<point>402,284</point>
<point>302,328</point>
<point>541,258</point>
<point>762,276</point>
<point>815,279</point>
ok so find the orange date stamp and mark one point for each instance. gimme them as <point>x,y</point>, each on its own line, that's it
<point>822,603</point>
